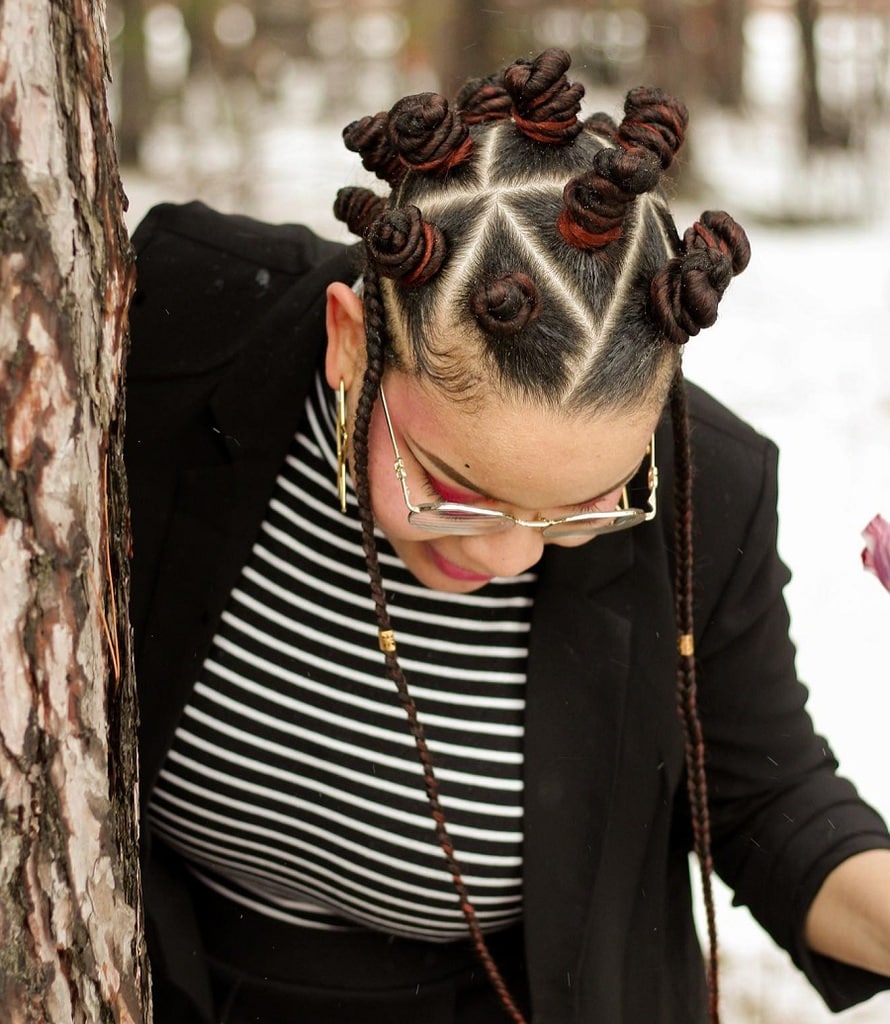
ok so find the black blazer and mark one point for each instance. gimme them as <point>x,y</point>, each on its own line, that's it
<point>227,330</point>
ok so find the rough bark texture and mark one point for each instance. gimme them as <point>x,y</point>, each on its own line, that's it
<point>71,949</point>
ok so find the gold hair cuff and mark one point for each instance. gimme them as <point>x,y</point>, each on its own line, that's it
<point>686,645</point>
<point>387,641</point>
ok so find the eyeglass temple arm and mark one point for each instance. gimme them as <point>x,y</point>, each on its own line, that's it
<point>398,465</point>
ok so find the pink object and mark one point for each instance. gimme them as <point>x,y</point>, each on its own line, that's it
<point>876,553</point>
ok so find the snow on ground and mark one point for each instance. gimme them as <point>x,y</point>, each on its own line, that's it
<point>802,350</point>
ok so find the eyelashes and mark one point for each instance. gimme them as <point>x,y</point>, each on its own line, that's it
<point>438,491</point>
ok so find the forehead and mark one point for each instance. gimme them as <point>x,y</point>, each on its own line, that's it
<point>517,451</point>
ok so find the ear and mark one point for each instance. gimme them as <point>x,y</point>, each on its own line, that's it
<point>344,318</point>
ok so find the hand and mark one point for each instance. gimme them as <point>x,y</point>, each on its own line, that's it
<point>849,919</point>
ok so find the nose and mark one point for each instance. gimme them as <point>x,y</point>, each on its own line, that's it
<point>504,554</point>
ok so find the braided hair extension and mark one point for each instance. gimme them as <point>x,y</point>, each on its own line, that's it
<point>687,709</point>
<point>716,249</point>
<point>376,333</point>
<point>577,295</point>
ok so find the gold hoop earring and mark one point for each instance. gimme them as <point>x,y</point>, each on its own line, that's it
<point>341,445</point>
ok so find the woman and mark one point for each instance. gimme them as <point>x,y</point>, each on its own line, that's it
<point>520,734</point>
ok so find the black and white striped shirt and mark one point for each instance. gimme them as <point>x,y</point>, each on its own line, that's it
<point>293,784</point>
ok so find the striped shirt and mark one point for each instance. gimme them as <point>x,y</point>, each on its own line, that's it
<point>293,784</point>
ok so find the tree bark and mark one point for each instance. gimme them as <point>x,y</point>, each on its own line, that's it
<point>71,947</point>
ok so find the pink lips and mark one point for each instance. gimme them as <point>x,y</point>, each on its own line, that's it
<point>455,572</point>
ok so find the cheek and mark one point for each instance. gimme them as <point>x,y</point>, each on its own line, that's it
<point>570,542</point>
<point>609,501</point>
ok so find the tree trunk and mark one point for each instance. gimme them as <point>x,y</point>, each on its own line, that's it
<point>71,947</point>
<point>475,40</point>
<point>813,121</point>
<point>726,63</point>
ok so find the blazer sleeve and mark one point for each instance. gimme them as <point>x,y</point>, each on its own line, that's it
<point>212,289</point>
<point>781,816</point>
<point>204,280</point>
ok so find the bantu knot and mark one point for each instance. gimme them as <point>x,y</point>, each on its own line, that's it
<point>602,124</point>
<point>405,247</point>
<point>426,134</point>
<point>596,203</point>
<point>545,104</point>
<point>357,208</point>
<point>684,295</point>
<point>717,230</point>
<point>368,138</point>
<point>484,99</point>
<point>505,305</point>
<point>655,121</point>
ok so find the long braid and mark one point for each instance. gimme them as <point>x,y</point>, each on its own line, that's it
<point>693,740</point>
<point>375,331</point>
<point>375,345</point>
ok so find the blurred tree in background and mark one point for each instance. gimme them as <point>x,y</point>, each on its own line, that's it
<point>212,91</point>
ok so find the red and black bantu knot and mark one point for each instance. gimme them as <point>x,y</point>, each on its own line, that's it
<point>654,120</point>
<point>484,99</point>
<point>602,124</point>
<point>405,247</point>
<point>717,230</point>
<point>545,103</point>
<point>427,135</point>
<point>358,208</point>
<point>596,203</point>
<point>369,139</point>
<point>684,294</point>
<point>505,305</point>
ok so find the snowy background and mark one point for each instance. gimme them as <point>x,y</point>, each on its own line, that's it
<point>801,350</point>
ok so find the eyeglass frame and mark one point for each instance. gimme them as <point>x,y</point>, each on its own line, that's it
<point>621,518</point>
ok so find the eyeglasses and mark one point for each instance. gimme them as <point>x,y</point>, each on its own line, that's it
<point>470,520</point>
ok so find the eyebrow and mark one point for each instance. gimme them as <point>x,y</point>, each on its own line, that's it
<point>459,478</point>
